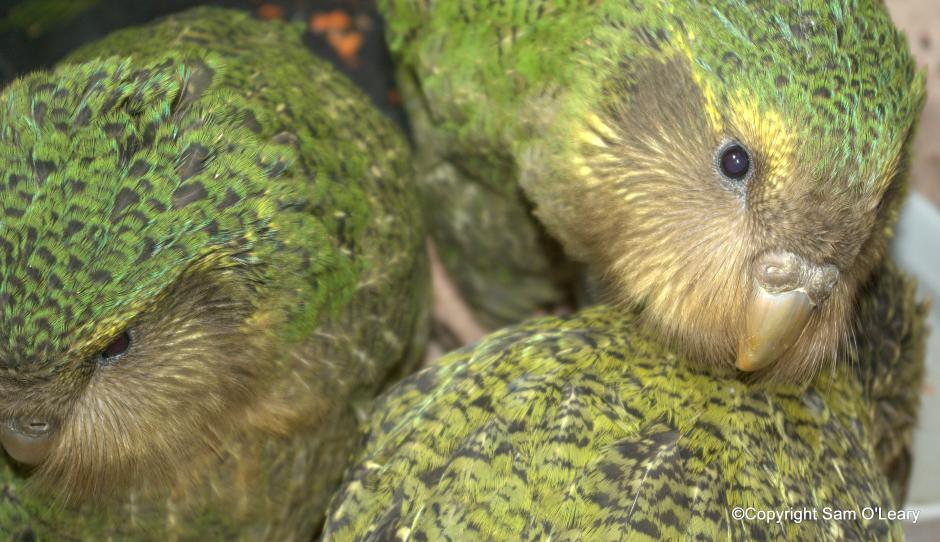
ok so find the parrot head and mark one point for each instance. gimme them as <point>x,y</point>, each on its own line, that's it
<point>736,174</point>
<point>132,207</point>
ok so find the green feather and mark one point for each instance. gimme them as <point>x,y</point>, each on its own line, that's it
<point>599,125</point>
<point>585,428</point>
<point>239,206</point>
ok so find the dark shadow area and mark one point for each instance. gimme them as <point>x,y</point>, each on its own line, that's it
<point>35,34</point>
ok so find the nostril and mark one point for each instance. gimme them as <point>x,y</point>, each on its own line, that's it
<point>779,271</point>
<point>32,427</point>
<point>37,427</point>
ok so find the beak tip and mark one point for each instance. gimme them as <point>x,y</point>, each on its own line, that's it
<point>774,323</point>
<point>752,355</point>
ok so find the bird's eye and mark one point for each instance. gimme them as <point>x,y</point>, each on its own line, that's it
<point>117,348</point>
<point>734,162</point>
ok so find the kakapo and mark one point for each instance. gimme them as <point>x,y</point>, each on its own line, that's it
<point>211,260</point>
<point>732,169</point>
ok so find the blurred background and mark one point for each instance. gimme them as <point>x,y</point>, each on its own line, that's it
<point>37,33</point>
<point>917,248</point>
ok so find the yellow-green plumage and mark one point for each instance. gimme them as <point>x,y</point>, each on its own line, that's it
<point>238,208</point>
<point>605,121</point>
<point>585,428</point>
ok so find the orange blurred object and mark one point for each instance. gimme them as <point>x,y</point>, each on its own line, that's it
<point>270,11</point>
<point>340,34</point>
<point>346,45</point>
<point>331,21</point>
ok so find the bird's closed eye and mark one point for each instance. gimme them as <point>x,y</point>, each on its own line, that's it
<point>116,349</point>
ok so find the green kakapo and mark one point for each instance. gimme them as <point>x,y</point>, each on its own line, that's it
<point>585,428</point>
<point>210,259</point>
<point>732,168</point>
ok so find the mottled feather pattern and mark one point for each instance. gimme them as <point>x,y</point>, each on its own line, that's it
<point>602,122</point>
<point>161,210</point>
<point>468,179</point>
<point>798,54</point>
<point>888,355</point>
<point>239,206</point>
<point>584,428</point>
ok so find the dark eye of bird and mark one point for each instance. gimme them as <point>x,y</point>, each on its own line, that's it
<point>734,162</point>
<point>118,346</point>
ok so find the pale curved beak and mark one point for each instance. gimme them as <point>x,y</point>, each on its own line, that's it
<point>27,444</point>
<point>774,323</point>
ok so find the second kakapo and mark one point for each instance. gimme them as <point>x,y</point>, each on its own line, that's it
<point>210,262</point>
